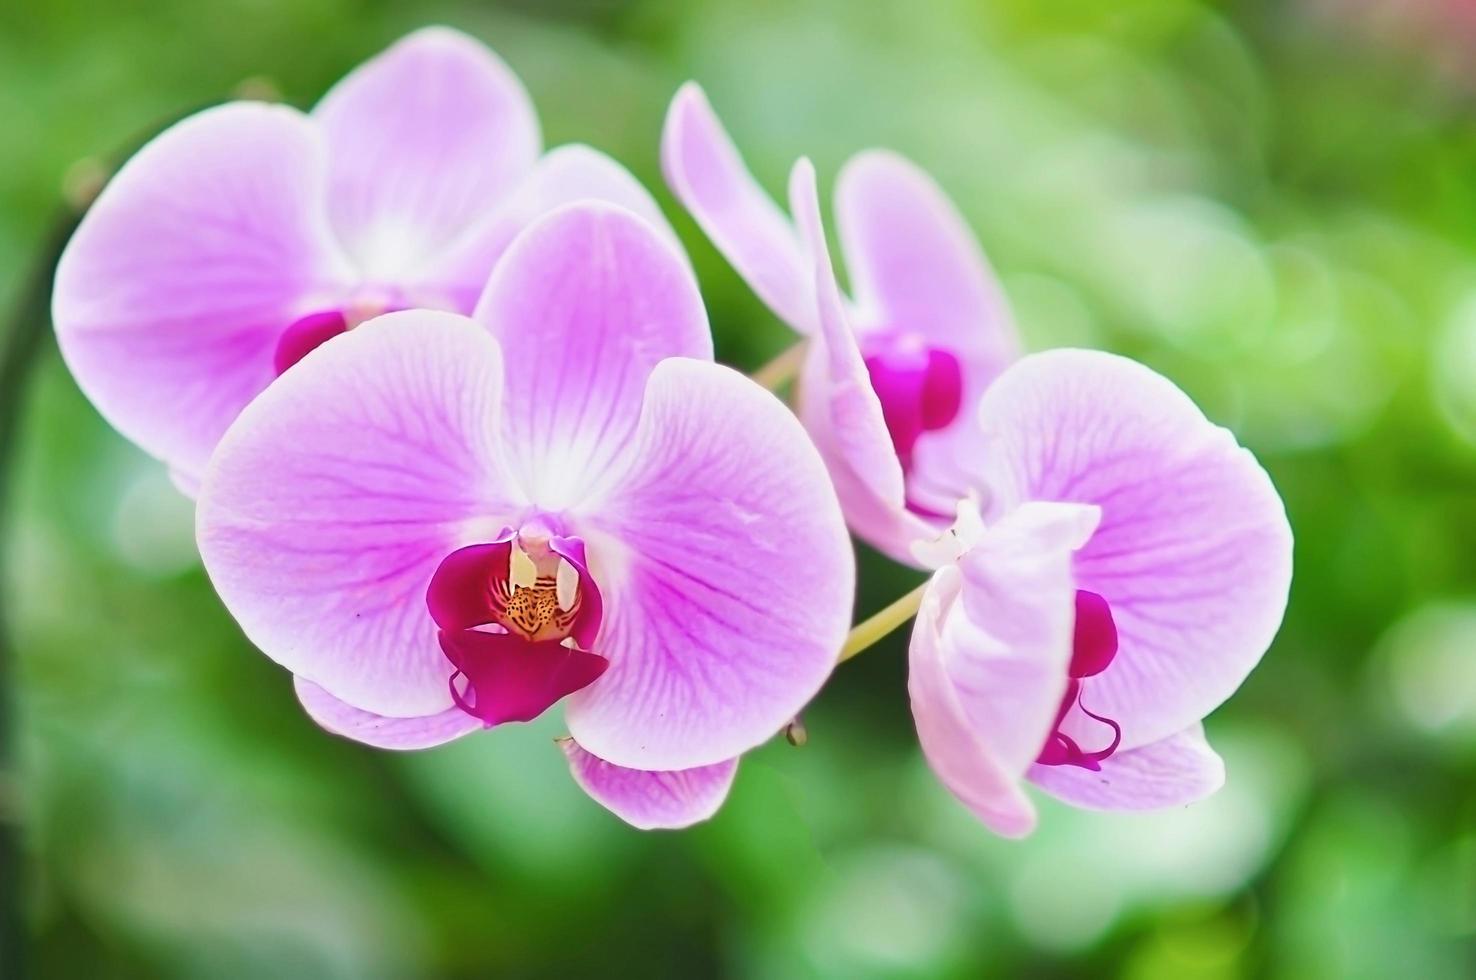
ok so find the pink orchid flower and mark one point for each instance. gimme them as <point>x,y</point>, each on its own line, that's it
<point>441,524</point>
<point>1130,567</point>
<point>928,315</point>
<point>244,236</point>
<point>1120,564</point>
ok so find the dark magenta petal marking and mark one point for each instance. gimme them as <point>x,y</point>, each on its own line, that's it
<point>305,336</point>
<point>501,678</point>
<point>1095,642</point>
<point>460,594</point>
<point>535,651</point>
<point>1094,646</point>
<point>920,388</point>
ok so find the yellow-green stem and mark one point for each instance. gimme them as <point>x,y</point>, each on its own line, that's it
<point>869,631</point>
<point>782,369</point>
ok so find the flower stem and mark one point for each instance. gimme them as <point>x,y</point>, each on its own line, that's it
<point>782,369</point>
<point>869,631</point>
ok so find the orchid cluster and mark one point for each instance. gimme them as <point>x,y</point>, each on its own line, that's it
<point>448,406</point>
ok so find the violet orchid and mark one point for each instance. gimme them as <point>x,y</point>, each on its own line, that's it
<point>441,524</point>
<point>1120,564</point>
<point>246,235</point>
<point>929,317</point>
<point>1131,567</point>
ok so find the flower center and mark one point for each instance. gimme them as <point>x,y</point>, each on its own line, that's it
<point>540,598</point>
<point>920,388</point>
<point>516,617</point>
<point>1094,645</point>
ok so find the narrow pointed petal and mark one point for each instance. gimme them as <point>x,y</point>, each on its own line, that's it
<point>838,383</point>
<point>914,263</point>
<point>707,174</point>
<point>380,731</point>
<point>1007,653</point>
<point>989,655</point>
<point>564,175</point>
<point>652,800</point>
<point>726,571</point>
<point>1174,771</point>
<point>585,303</point>
<point>208,244</point>
<point>1193,555</point>
<point>336,495</point>
<point>839,407</point>
<point>424,139</point>
<point>962,758</point>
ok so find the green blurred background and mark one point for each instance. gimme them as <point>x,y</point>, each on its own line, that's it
<point>1273,202</point>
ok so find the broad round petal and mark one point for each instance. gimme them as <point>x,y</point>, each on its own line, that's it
<point>335,496</point>
<point>196,257</point>
<point>1193,554</point>
<point>1173,771</point>
<point>726,573</point>
<point>378,730</point>
<point>707,174</point>
<point>652,800</point>
<point>585,303</point>
<point>424,139</point>
<point>564,175</point>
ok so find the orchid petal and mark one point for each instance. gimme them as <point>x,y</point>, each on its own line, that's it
<point>424,139</point>
<point>917,269</point>
<point>726,571</point>
<point>915,265</point>
<point>197,256</point>
<point>585,303</point>
<point>378,730</point>
<point>1173,771</point>
<point>989,655</point>
<point>962,758</point>
<point>336,495</point>
<point>1193,554</point>
<point>1008,647</point>
<point>837,385</point>
<point>564,175</point>
<point>708,175</point>
<point>652,800</point>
